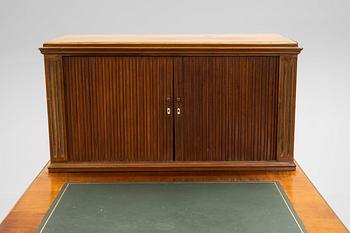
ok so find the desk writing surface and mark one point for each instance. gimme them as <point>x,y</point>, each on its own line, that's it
<point>312,209</point>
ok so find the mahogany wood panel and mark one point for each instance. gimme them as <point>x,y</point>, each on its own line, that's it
<point>228,108</point>
<point>56,108</point>
<point>312,209</point>
<point>116,108</point>
<point>286,107</point>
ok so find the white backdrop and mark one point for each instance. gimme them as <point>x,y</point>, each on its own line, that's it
<point>323,108</point>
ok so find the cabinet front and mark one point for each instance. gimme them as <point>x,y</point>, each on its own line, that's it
<point>170,102</point>
<point>227,108</point>
<point>116,108</point>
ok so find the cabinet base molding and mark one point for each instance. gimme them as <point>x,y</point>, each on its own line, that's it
<point>171,166</point>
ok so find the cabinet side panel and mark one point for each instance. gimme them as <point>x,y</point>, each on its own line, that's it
<point>228,108</point>
<point>116,108</point>
<point>56,108</point>
<point>286,108</point>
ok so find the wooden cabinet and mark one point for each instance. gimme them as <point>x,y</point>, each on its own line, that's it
<point>171,103</point>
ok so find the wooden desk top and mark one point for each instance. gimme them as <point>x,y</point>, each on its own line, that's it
<point>229,39</point>
<point>312,209</point>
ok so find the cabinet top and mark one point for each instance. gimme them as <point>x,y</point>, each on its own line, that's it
<point>172,45</point>
<point>229,39</point>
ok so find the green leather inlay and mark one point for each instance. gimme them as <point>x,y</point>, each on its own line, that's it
<point>246,207</point>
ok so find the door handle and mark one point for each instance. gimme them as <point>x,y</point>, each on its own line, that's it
<point>178,110</point>
<point>168,102</point>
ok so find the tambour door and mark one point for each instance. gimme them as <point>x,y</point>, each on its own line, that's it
<point>226,108</point>
<point>116,108</point>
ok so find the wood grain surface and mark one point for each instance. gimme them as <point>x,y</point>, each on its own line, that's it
<point>172,45</point>
<point>116,108</point>
<point>268,39</point>
<point>228,108</point>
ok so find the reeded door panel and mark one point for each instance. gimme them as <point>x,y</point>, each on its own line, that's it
<point>227,108</point>
<point>116,108</point>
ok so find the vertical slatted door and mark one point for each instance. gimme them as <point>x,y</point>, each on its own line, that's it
<point>227,108</point>
<point>116,108</point>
